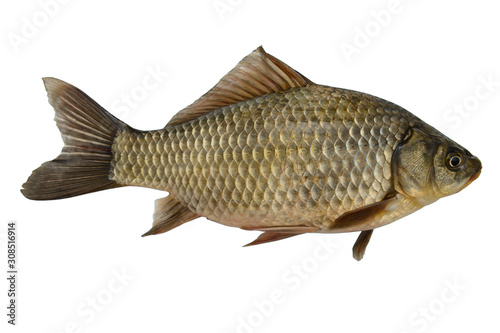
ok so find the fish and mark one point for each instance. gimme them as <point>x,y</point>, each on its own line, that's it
<point>265,149</point>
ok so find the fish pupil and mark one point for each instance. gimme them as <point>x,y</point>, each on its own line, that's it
<point>455,161</point>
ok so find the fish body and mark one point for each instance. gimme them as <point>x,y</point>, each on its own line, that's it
<point>304,156</point>
<point>266,149</point>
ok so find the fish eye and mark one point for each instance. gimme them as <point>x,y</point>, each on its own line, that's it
<point>453,160</point>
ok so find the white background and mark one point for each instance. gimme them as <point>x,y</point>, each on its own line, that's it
<point>427,57</point>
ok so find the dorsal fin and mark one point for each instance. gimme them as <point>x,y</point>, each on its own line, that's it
<point>255,75</point>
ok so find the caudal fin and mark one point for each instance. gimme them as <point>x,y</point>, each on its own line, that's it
<point>88,132</point>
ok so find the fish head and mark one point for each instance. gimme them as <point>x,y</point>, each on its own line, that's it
<point>427,166</point>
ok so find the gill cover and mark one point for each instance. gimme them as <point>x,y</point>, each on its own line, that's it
<point>413,165</point>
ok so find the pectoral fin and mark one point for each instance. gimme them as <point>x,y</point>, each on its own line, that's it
<point>359,248</point>
<point>360,219</point>
<point>169,213</point>
<point>272,234</point>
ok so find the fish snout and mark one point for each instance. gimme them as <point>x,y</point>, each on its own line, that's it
<point>475,164</point>
<point>478,166</point>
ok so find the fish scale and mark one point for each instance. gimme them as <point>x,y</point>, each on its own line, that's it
<point>311,153</point>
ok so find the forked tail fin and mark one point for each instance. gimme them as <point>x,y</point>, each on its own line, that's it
<point>88,132</point>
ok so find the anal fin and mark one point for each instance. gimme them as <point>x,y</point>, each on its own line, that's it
<point>273,234</point>
<point>169,213</point>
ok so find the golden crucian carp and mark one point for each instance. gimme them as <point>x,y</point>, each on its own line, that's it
<point>265,149</point>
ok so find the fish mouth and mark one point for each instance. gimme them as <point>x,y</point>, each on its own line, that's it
<point>472,178</point>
